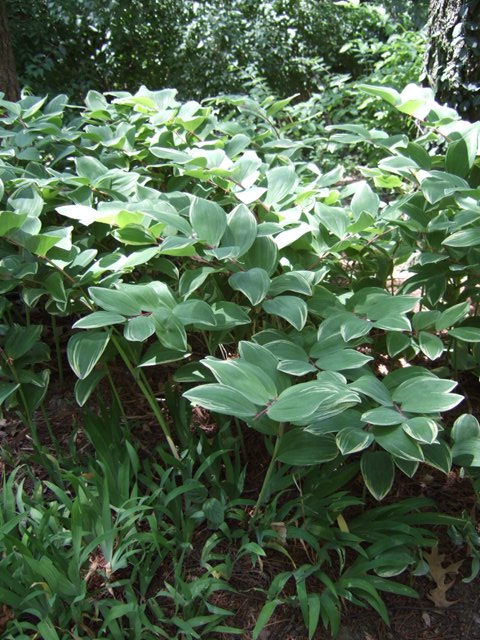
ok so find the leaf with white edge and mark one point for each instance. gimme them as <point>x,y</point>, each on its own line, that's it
<point>301,448</point>
<point>466,441</point>
<point>373,388</point>
<point>365,200</point>
<point>99,319</point>
<point>342,359</point>
<point>85,387</point>
<point>423,429</point>
<point>292,309</point>
<point>170,330</point>
<point>352,440</point>
<point>354,327</point>
<point>281,182</point>
<point>300,402</point>
<point>84,350</point>
<point>296,367</point>
<point>426,394</point>
<point>221,399</point>
<point>6,390</point>
<point>398,443</point>
<point>383,416</point>
<point>253,283</point>
<point>292,281</point>
<point>378,472</point>
<point>465,238</point>
<point>196,312</point>
<point>263,254</point>
<point>208,220</point>
<point>115,301</point>
<point>430,345</point>
<point>192,279</point>
<point>242,225</point>
<point>244,377</point>
<point>139,329</point>
<point>452,315</point>
<point>466,334</point>
<point>393,323</point>
<point>229,315</point>
<point>397,342</point>
<point>158,354</point>
<point>438,455</point>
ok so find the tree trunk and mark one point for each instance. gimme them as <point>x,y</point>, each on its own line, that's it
<point>8,72</point>
<point>452,60</point>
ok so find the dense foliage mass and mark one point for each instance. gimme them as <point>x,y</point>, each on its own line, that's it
<point>332,316</point>
<point>201,48</point>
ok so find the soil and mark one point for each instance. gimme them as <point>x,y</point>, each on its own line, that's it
<point>410,619</point>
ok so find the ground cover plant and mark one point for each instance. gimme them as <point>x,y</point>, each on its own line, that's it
<point>196,254</point>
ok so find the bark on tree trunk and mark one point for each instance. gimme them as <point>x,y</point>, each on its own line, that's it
<point>8,73</point>
<point>452,59</point>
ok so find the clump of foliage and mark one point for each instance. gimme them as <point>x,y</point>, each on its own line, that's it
<point>156,232</point>
<point>201,48</point>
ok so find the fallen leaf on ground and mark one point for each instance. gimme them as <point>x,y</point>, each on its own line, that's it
<point>439,574</point>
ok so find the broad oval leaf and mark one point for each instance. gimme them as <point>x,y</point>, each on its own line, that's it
<point>293,309</point>
<point>351,440</point>
<point>398,443</point>
<point>208,220</point>
<point>84,350</point>
<point>300,402</point>
<point>302,448</point>
<point>99,319</point>
<point>378,472</point>
<point>253,283</point>
<point>222,399</point>
<point>139,329</point>
<point>423,429</point>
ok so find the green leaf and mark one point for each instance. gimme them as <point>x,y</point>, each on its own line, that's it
<point>222,399</point>
<point>264,616</point>
<point>397,342</point>
<point>385,93</point>
<point>383,416</point>
<point>365,200</point>
<point>378,472</point>
<point>253,283</point>
<point>466,441</point>
<point>301,401</point>
<point>208,220</point>
<point>352,440</point>
<point>214,511</point>
<point>84,350</point>
<point>85,387</point>
<point>426,394</point>
<point>139,329</point>
<point>294,310</point>
<point>193,279</point>
<point>438,455</point>
<point>158,354</point>
<point>118,302</point>
<point>301,448</point>
<point>395,441</point>
<point>263,254</point>
<point>461,153</point>
<point>430,345</point>
<point>452,315</point>
<point>99,319</point>
<point>244,377</point>
<point>465,238</point>
<point>6,390</point>
<point>424,430</point>
<point>242,226</point>
<point>342,359</point>
<point>281,182</point>
<point>196,312</point>
<point>10,220</point>
<point>373,388</point>
<point>466,334</point>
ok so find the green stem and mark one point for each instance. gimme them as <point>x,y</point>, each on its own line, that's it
<point>146,389</point>
<point>270,470</point>
<point>57,349</point>
<point>115,393</point>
